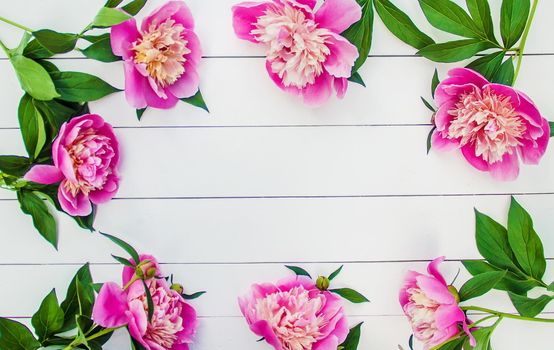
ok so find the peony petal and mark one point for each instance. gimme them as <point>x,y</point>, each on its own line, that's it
<point>110,306</point>
<point>155,101</point>
<point>263,329</point>
<point>193,58</point>
<point>318,93</point>
<point>529,110</point>
<point>107,193</point>
<point>190,321</point>
<point>448,315</point>
<point>343,54</point>
<point>245,16</point>
<point>329,343</point>
<point>477,162</point>
<point>129,272</point>
<point>44,174</point>
<point>443,118</point>
<point>187,85</point>
<point>341,85</point>
<point>443,144</point>
<point>448,92</point>
<point>435,289</point>
<point>279,82</point>
<point>122,37</point>
<point>433,269</point>
<point>138,321</point>
<point>135,86</point>
<point>506,91</point>
<point>530,151</point>
<point>338,15</point>
<point>78,205</point>
<point>176,10</point>
<point>507,169</point>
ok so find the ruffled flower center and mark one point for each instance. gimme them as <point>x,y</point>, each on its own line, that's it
<point>489,122</point>
<point>162,50</point>
<point>293,316</point>
<point>166,321</point>
<point>297,47</point>
<point>421,310</point>
<point>91,155</point>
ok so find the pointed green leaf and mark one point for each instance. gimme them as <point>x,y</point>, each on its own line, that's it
<point>81,87</point>
<point>35,50</point>
<point>488,65</point>
<point>298,271</point>
<point>350,295</point>
<point>113,3</point>
<point>401,25</point>
<point>134,7</point>
<point>197,100</point>
<point>43,220</point>
<point>482,337</point>
<point>360,34</point>
<point>108,17</point>
<point>193,295</point>
<point>529,307</point>
<point>49,318</point>
<point>123,261</point>
<point>357,78</point>
<point>79,297</point>
<point>450,17</point>
<point>454,51</point>
<point>56,42</point>
<point>125,246</point>
<point>551,128</point>
<point>428,105</point>
<point>15,336</point>
<point>452,344</point>
<point>335,273</point>
<point>31,123</point>
<point>14,165</point>
<point>149,301</point>
<point>353,338</point>
<point>435,82</point>
<point>481,13</point>
<point>525,242</point>
<point>140,112</point>
<point>430,139</point>
<point>505,74</point>
<point>34,79</point>
<point>481,284</point>
<point>511,282</point>
<point>101,50</point>
<point>551,287</point>
<point>513,18</point>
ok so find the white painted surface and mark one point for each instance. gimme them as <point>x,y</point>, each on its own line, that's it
<point>225,199</point>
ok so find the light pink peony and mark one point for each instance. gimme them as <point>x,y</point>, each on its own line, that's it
<point>431,308</point>
<point>294,315</point>
<point>161,58</point>
<point>494,125</point>
<point>86,160</point>
<point>173,323</point>
<point>306,54</point>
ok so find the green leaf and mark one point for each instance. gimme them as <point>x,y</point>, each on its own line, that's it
<point>449,17</point>
<point>193,295</point>
<point>113,3</point>
<point>335,273</point>
<point>481,13</point>
<point>43,220</point>
<point>140,112</point>
<point>108,17</point>
<point>505,74</point>
<point>360,34</point>
<point>95,38</point>
<point>453,344</point>
<point>483,338</point>
<point>529,307</point>
<point>134,7</point>
<point>350,295</point>
<point>357,78</point>
<point>49,66</point>
<point>430,139</point>
<point>32,128</point>
<point>551,128</point>
<point>488,65</point>
<point>56,42</point>
<point>15,336</point>
<point>401,25</point>
<point>513,18</point>
<point>353,338</point>
<point>101,50</point>
<point>435,83</point>
<point>428,105</point>
<point>525,242</point>
<point>298,271</point>
<point>34,79</point>
<point>125,246</point>
<point>149,301</point>
<point>197,100</point>
<point>550,288</point>
<point>81,87</point>
<point>123,261</point>
<point>14,165</point>
<point>511,282</point>
<point>492,243</point>
<point>481,284</point>
<point>49,318</point>
<point>97,287</point>
<point>79,297</point>
<point>35,50</point>
<point>454,51</point>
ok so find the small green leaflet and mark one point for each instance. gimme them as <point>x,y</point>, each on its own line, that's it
<point>193,295</point>
<point>357,78</point>
<point>353,338</point>
<point>43,220</point>
<point>140,112</point>
<point>108,17</point>
<point>481,284</point>
<point>125,246</point>
<point>428,105</point>
<point>196,100</point>
<point>435,82</point>
<point>360,34</point>
<point>350,295</point>
<point>149,301</point>
<point>101,50</point>
<point>335,273</point>
<point>551,128</point>
<point>430,139</point>
<point>123,261</point>
<point>298,271</point>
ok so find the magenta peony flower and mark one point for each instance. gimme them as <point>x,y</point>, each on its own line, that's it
<point>295,315</point>
<point>494,125</point>
<point>86,160</point>
<point>306,54</point>
<point>173,323</point>
<point>161,58</point>
<point>431,308</point>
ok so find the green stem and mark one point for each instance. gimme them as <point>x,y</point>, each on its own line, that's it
<point>103,332</point>
<point>483,320</point>
<point>524,39</point>
<point>15,24</point>
<point>5,48</point>
<point>506,315</point>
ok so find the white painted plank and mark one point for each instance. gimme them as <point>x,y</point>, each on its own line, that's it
<point>239,93</point>
<point>379,282</point>
<point>214,24</point>
<point>300,230</point>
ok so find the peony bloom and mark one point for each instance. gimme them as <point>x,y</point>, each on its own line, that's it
<point>295,315</point>
<point>306,55</point>
<point>494,125</point>
<point>173,322</point>
<point>431,308</point>
<point>86,160</point>
<point>161,58</point>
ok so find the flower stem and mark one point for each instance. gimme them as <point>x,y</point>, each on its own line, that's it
<point>102,333</point>
<point>5,48</point>
<point>524,39</point>
<point>15,24</point>
<point>506,315</point>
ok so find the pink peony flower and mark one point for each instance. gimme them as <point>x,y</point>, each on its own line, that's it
<point>295,315</point>
<point>494,125</point>
<point>86,160</point>
<point>173,323</point>
<point>306,54</point>
<point>431,308</point>
<point>161,58</point>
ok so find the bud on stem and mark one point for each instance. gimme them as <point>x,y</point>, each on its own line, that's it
<point>322,283</point>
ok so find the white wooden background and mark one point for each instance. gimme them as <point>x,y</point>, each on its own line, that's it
<point>225,199</point>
